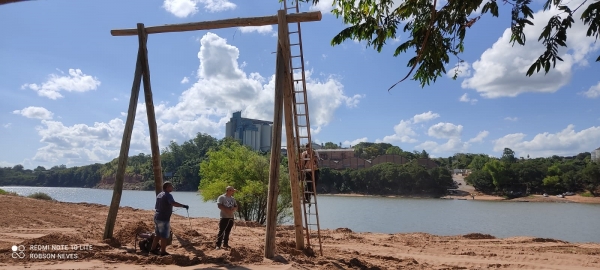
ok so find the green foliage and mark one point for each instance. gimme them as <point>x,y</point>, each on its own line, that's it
<point>478,162</point>
<point>436,32</point>
<point>508,156</point>
<point>497,170</point>
<point>591,175</point>
<point>248,171</point>
<point>40,196</point>
<point>481,180</point>
<point>368,150</point>
<point>330,145</point>
<point>9,193</point>
<point>388,179</point>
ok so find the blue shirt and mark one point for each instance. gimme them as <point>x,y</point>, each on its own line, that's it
<point>164,206</point>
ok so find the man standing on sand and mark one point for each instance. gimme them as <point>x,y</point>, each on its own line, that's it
<point>306,165</point>
<point>228,206</point>
<point>162,218</point>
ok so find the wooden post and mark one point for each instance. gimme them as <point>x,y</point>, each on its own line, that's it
<point>293,165</point>
<point>227,23</point>
<point>275,148</point>
<point>156,166</point>
<point>124,153</point>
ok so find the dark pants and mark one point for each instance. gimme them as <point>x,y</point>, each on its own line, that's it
<point>309,185</point>
<point>225,225</point>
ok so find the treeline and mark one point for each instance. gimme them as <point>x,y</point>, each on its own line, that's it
<point>388,179</point>
<point>57,176</point>
<point>180,163</point>
<point>509,175</point>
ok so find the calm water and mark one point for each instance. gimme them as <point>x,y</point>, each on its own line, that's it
<point>565,221</point>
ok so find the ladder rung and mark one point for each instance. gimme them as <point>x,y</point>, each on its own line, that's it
<point>291,7</point>
<point>292,32</point>
<point>297,80</point>
<point>294,44</point>
<point>296,67</point>
<point>294,56</point>
<point>302,125</point>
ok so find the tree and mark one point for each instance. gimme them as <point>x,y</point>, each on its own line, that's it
<point>508,156</point>
<point>330,145</point>
<point>394,150</point>
<point>246,170</point>
<point>18,168</point>
<point>592,177</point>
<point>498,172</point>
<point>437,32</point>
<point>478,162</point>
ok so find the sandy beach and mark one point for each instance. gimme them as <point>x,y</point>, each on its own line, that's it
<point>36,223</point>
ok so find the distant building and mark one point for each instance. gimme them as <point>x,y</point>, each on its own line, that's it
<point>596,154</point>
<point>250,132</point>
<point>343,158</point>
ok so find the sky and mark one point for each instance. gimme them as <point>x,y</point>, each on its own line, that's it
<point>65,83</point>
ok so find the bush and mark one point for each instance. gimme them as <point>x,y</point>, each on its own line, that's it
<point>587,194</point>
<point>40,196</point>
<point>10,193</point>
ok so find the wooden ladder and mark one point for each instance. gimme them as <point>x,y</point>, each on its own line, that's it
<point>302,129</point>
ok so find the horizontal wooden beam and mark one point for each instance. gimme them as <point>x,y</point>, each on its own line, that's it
<point>236,22</point>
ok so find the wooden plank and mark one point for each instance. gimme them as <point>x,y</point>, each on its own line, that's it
<point>293,166</point>
<point>275,149</point>
<point>156,166</point>
<point>124,153</point>
<point>226,23</point>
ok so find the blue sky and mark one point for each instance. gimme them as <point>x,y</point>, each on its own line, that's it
<point>66,82</point>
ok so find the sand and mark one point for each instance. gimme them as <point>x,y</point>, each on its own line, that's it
<point>30,222</point>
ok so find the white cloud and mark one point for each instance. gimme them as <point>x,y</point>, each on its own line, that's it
<point>462,69</point>
<point>181,8</point>
<point>403,132</point>
<point>7,125</point>
<point>500,72</point>
<point>4,164</point>
<point>185,80</point>
<point>325,6</point>
<point>354,142</point>
<point>563,143</point>
<point>217,5</point>
<point>453,145</point>
<point>75,82</point>
<point>185,8</point>
<point>445,130</point>
<point>593,92</point>
<point>82,143</point>
<point>35,112</point>
<point>265,29</point>
<point>465,98</point>
<point>206,106</point>
<point>424,117</point>
<point>480,136</point>
<point>513,119</point>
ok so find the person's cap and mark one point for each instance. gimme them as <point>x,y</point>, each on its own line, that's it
<point>166,183</point>
<point>230,188</point>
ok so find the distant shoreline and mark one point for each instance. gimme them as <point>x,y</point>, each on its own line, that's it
<point>479,197</point>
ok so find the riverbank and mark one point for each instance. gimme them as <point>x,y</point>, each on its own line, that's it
<point>37,223</point>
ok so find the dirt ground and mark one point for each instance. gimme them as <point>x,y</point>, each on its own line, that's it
<point>36,223</point>
<point>467,192</point>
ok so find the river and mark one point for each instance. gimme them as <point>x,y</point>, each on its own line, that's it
<point>573,222</point>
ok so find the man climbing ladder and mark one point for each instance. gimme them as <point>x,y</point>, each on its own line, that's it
<point>310,164</point>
